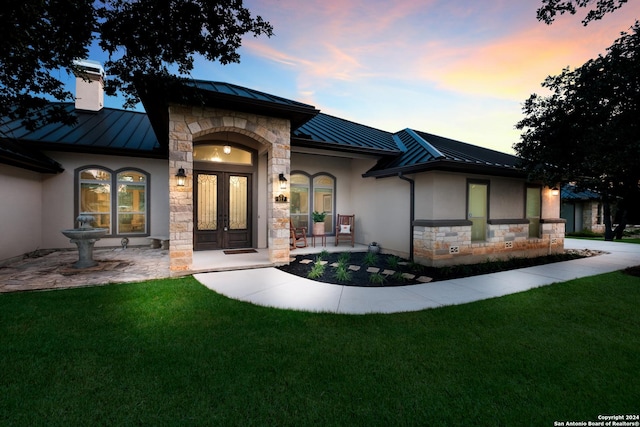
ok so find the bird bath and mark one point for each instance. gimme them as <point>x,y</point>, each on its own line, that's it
<point>85,236</point>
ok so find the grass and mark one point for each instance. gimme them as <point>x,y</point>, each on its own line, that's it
<point>171,352</point>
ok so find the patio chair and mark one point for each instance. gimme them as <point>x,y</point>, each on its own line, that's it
<point>345,229</point>
<point>297,236</point>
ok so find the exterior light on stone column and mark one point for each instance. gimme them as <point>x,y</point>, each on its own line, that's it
<point>555,191</point>
<point>283,182</point>
<point>181,177</point>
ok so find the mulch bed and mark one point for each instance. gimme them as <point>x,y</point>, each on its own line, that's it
<point>633,271</point>
<point>362,277</point>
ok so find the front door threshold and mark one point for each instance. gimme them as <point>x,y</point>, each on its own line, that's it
<point>210,261</point>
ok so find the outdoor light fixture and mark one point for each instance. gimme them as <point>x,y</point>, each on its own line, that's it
<point>226,149</point>
<point>555,191</point>
<point>283,182</point>
<point>181,177</point>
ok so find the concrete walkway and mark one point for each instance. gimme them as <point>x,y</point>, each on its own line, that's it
<point>273,288</point>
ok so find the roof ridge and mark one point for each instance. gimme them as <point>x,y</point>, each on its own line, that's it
<point>425,144</point>
<point>355,123</point>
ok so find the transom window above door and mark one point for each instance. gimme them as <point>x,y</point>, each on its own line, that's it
<point>222,153</point>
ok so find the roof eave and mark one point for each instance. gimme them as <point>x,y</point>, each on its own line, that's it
<point>334,146</point>
<point>448,166</point>
<point>35,165</point>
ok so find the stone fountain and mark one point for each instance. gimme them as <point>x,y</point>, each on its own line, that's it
<point>85,236</point>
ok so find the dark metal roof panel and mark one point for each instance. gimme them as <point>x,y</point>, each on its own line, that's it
<point>431,151</point>
<point>243,92</point>
<point>118,130</point>
<point>334,130</point>
<point>570,192</point>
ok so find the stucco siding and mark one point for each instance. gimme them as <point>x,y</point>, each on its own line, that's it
<point>20,212</point>
<point>58,197</point>
<point>382,206</point>
<point>506,198</point>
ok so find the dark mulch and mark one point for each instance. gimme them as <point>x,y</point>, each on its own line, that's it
<point>390,262</point>
<point>633,271</point>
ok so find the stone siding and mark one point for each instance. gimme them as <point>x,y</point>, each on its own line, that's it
<point>188,123</point>
<point>442,243</point>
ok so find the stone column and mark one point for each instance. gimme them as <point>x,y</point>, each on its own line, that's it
<point>180,198</point>
<point>278,212</point>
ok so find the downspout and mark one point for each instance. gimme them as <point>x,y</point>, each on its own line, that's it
<point>412,215</point>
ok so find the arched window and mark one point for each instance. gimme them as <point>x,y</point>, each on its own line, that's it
<point>123,211</point>
<point>312,193</point>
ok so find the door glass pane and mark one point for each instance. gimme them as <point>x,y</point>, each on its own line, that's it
<point>478,210</point>
<point>207,215</point>
<point>238,202</point>
<point>533,211</point>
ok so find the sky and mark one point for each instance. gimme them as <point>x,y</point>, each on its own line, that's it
<point>459,69</point>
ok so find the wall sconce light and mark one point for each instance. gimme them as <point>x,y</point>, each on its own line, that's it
<point>555,191</point>
<point>181,177</point>
<point>226,149</point>
<point>283,182</point>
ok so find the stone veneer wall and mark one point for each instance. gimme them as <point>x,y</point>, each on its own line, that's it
<point>188,123</point>
<point>448,242</point>
<point>590,217</point>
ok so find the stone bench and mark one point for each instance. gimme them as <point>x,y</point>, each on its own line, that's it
<point>159,242</point>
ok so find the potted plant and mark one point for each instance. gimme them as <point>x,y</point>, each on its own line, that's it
<point>374,247</point>
<point>318,222</point>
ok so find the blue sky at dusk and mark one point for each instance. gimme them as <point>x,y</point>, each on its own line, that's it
<point>460,69</point>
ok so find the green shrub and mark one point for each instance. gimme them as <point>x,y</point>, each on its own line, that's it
<point>393,262</point>
<point>370,259</point>
<point>377,279</point>
<point>344,257</point>
<point>342,274</point>
<point>317,270</point>
<point>324,254</point>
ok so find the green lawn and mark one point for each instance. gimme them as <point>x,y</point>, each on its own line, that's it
<point>171,352</point>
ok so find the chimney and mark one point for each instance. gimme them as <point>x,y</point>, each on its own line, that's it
<point>89,94</point>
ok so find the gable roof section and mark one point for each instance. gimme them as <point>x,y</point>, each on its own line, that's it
<point>333,133</point>
<point>157,94</point>
<point>108,131</point>
<point>424,151</point>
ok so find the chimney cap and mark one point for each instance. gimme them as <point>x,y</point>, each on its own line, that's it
<point>89,66</point>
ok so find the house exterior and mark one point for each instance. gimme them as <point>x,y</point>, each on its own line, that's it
<point>253,162</point>
<point>581,209</point>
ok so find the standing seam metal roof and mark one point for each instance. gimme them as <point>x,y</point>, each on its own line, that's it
<point>330,129</point>
<point>426,149</point>
<point>104,130</point>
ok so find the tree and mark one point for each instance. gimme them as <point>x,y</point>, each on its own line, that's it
<point>550,8</point>
<point>588,130</point>
<point>142,38</point>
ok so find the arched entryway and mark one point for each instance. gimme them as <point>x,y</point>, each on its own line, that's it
<point>224,195</point>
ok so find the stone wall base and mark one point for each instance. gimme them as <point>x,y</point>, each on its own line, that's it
<point>442,245</point>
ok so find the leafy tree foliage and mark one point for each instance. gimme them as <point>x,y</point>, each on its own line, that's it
<point>142,38</point>
<point>588,129</point>
<point>550,8</point>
